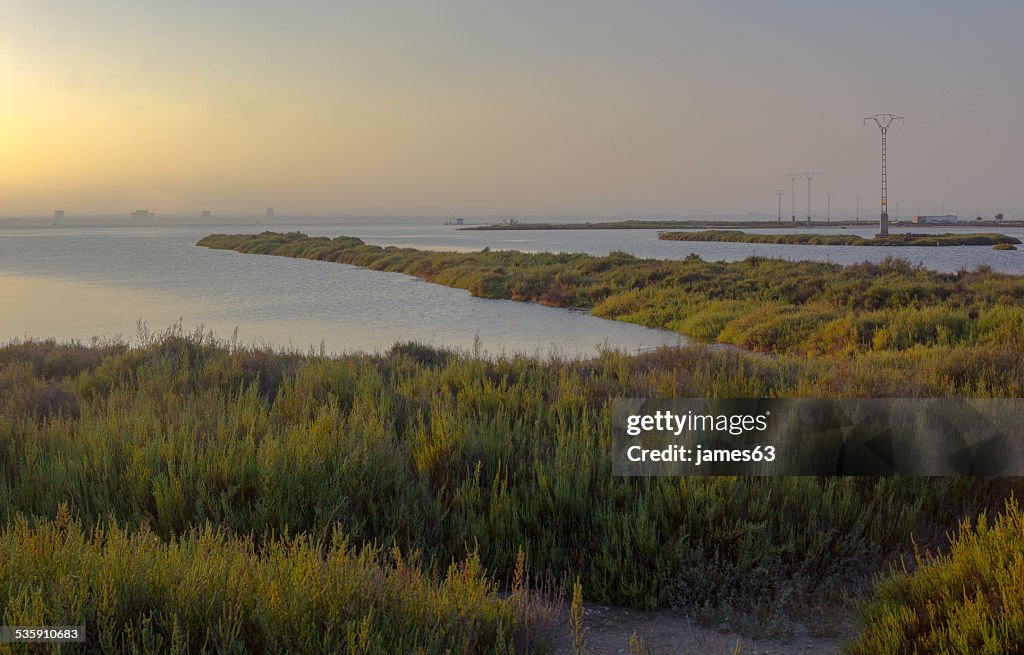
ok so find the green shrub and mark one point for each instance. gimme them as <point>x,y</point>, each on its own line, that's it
<point>930,326</point>
<point>211,592</point>
<point>967,601</point>
<point>440,452</point>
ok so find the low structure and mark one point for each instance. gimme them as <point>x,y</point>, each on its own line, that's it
<point>945,219</point>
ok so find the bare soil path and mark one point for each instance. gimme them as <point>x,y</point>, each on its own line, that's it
<point>665,632</point>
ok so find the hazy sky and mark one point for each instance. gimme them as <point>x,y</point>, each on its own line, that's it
<point>582,107</point>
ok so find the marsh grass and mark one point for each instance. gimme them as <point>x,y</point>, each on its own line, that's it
<point>967,601</point>
<point>210,591</point>
<point>266,460</point>
<point>801,308</point>
<point>443,454</point>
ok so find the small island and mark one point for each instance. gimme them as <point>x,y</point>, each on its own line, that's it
<point>647,224</point>
<point>735,236</point>
<point>714,224</point>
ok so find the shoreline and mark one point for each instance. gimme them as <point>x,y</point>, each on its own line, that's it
<point>720,224</point>
<point>892,240</point>
<point>759,304</point>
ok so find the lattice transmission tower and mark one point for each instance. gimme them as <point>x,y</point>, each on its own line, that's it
<point>792,194</point>
<point>809,175</point>
<point>884,121</point>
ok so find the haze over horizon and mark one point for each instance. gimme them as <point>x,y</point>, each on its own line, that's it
<point>574,108</point>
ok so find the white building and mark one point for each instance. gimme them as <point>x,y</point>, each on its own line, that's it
<point>946,219</point>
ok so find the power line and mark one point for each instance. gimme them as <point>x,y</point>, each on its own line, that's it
<point>920,109</point>
<point>970,92</point>
<point>971,111</point>
<point>780,193</point>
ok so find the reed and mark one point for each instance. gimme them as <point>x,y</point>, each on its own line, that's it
<point>443,453</point>
<point>210,591</point>
<point>965,601</point>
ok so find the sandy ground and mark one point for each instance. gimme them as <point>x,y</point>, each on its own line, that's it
<point>664,632</point>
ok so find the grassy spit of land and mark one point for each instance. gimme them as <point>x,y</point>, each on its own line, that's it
<point>641,224</point>
<point>981,239</point>
<point>909,330</point>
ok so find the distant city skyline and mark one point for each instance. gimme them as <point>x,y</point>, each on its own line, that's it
<point>486,109</point>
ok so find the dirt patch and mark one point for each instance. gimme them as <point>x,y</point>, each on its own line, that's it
<point>663,632</point>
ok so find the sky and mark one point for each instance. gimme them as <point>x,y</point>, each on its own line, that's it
<point>561,107</point>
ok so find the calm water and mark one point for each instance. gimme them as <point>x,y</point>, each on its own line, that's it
<point>78,283</point>
<point>644,243</point>
<point>84,282</point>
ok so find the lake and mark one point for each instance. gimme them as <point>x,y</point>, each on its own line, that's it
<point>79,283</point>
<point>644,243</point>
<point>85,282</point>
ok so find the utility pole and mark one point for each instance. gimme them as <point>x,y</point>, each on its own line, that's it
<point>809,175</point>
<point>828,212</point>
<point>858,208</point>
<point>792,195</point>
<point>884,121</point>
<point>780,193</point>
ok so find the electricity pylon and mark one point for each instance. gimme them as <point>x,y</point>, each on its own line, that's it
<point>792,195</point>
<point>809,175</point>
<point>884,121</point>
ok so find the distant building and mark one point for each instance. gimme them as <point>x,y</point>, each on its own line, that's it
<point>206,213</point>
<point>141,214</point>
<point>945,219</point>
<point>459,221</point>
<point>270,212</point>
<point>58,214</point>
